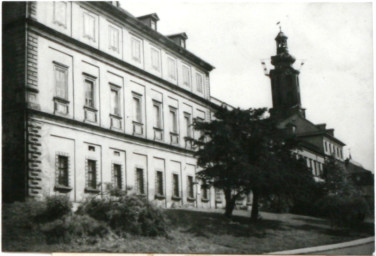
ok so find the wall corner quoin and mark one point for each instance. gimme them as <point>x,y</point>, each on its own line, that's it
<point>34,171</point>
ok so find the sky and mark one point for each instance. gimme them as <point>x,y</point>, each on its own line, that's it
<point>334,40</point>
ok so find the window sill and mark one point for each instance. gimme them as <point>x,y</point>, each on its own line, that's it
<point>116,116</point>
<point>205,200</point>
<point>90,108</point>
<point>176,198</point>
<point>62,188</point>
<point>160,197</point>
<point>191,199</point>
<point>61,100</point>
<point>92,190</point>
<point>218,201</point>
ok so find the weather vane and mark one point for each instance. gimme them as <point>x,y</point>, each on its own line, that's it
<point>280,26</point>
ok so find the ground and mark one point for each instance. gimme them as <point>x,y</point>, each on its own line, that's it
<point>199,231</point>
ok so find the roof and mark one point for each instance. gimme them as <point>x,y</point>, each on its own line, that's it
<point>323,133</point>
<point>128,18</point>
<point>311,147</point>
<point>281,35</point>
<point>154,16</point>
<point>182,35</point>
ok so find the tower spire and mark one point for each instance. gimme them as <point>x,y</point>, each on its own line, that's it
<point>284,81</point>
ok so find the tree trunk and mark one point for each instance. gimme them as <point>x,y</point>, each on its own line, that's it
<point>230,203</point>
<point>255,206</point>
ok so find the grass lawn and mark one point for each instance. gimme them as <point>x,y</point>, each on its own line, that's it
<point>194,231</point>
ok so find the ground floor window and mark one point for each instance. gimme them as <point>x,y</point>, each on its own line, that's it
<point>116,169</point>
<point>159,183</point>
<point>140,188</point>
<point>190,187</point>
<point>92,174</point>
<point>62,170</point>
<point>175,185</point>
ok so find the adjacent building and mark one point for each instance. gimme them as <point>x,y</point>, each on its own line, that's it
<point>94,98</point>
<point>316,141</point>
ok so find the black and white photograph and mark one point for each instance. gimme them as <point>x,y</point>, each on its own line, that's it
<point>188,127</point>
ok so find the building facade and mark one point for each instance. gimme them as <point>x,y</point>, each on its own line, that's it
<point>316,141</point>
<point>94,98</point>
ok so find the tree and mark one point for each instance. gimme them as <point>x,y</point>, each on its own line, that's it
<point>243,151</point>
<point>336,181</point>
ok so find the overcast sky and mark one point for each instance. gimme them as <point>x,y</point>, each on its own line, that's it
<point>334,40</point>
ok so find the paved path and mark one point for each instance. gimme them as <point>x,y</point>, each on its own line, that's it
<point>364,249</point>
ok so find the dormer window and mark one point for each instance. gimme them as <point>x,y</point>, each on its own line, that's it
<point>179,39</point>
<point>150,20</point>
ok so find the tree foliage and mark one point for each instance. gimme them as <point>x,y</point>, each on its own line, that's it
<point>243,151</point>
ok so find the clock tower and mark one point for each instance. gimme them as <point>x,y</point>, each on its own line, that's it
<point>284,82</point>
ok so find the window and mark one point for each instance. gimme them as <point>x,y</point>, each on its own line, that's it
<point>186,76</point>
<point>115,102</point>
<point>60,13</point>
<point>61,81</point>
<point>182,43</point>
<point>173,120</point>
<point>137,108</point>
<point>140,189</point>
<point>187,123</point>
<point>159,183</point>
<point>171,68</point>
<point>205,190</point>
<point>113,38</point>
<point>201,120</point>
<point>155,63</point>
<point>116,168</point>
<point>326,146</point>
<point>153,25</point>
<point>190,187</point>
<point>199,82</point>
<point>157,114</point>
<point>91,174</point>
<point>62,170</point>
<point>89,26</point>
<point>89,93</point>
<point>175,185</point>
<point>136,49</point>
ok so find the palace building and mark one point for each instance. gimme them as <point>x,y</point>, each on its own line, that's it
<point>316,141</point>
<point>93,98</point>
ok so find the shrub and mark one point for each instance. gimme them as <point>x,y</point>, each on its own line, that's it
<point>342,210</point>
<point>71,227</point>
<point>132,214</point>
<point>56,207</point>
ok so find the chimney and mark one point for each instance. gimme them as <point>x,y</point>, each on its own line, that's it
<point>150,20</point>
<point>179,39</point>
